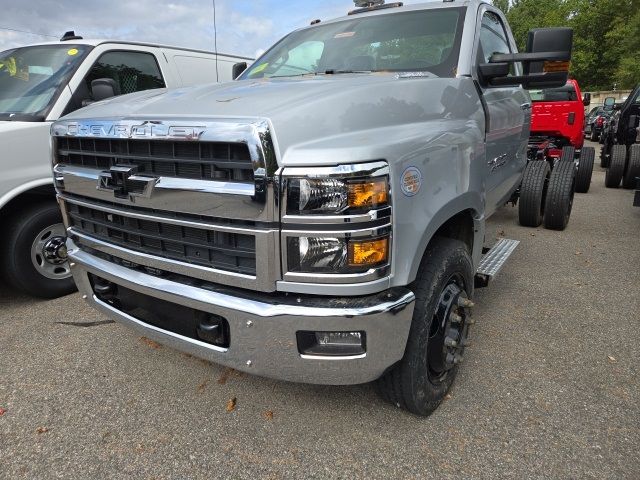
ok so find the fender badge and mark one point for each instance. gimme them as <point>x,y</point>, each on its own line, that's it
<point>411,181</point>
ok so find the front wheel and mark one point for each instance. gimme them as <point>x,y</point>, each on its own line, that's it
<point>35,255</point>
<point>633,167</point>
<point>617,166</point>
<point>443,286</point>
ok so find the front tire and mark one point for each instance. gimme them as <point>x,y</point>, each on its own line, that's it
<point>420,381</point>
<point>33,253</point>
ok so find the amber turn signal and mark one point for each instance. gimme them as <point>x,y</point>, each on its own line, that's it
<point>368,194</point>
<point>370,253</point>
<point>552,67</point>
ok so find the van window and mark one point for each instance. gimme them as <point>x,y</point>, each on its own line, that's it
<point>132,71</point>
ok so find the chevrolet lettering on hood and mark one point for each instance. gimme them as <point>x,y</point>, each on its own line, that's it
<point>147,129</point>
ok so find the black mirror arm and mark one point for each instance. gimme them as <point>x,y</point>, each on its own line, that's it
<point>530,57</point>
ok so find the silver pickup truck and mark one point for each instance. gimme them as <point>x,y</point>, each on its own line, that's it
<point>322,218</point>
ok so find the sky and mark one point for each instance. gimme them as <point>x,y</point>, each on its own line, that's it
<point>245,27</point>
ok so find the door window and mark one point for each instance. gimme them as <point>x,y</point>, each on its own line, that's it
<point>131,71</point>
<point>493,38</point>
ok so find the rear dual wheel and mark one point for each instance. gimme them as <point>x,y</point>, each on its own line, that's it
<point>633,167</point>
<point>532,193</point>
<point>585,169</point>
<point>617,164</point>
<point>559,199</point>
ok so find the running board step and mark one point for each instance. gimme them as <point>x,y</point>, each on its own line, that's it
<point>494,260</point>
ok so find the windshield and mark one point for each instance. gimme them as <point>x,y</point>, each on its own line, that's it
<point>563,94</point>
<point>30,77</point>
<point>423,40</point>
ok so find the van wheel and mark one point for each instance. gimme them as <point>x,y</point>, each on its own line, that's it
<point>633,167</point>
<point>35,252</point>
<point>420,381</point>
<point>617,163</point>
<point>559,201</point>
<point>532,193</point>
<point>585,169</point>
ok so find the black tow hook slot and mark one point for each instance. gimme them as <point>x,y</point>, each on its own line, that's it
<point>214,330</point>
<point>104,289</point>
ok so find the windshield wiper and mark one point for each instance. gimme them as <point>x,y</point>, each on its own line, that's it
<point>21,117</point>
<point>338,72</point>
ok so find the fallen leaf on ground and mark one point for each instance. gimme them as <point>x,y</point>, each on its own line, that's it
<point>578,253</point>
<point>2,411</point>
<point>202,386</point>
<point>231,404</point>
<point>41,430</point>
<point>227,373</point>
<point>150,343</point>
<point>533,234</point>
<point>612,359</point>
<point>268,415</point>
<point>501,233</point>
<point>448,396</point>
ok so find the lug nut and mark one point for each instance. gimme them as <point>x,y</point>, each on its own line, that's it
<point>465,303</point>
<point>450,342</point>
<point>455,318</point>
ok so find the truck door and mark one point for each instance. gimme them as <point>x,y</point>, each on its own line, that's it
<point>508,118</point>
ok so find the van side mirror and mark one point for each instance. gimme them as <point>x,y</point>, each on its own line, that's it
<point>237,69</point>
<point>609,102</point>
<point>586,100</point>
<point>546,61</point>
<point>103,88</point>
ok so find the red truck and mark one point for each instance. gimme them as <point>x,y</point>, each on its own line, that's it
<point>557,130</point>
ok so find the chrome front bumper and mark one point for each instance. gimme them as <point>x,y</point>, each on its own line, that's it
<point>263,326</point>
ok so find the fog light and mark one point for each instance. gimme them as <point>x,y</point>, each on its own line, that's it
<point>332,344</point>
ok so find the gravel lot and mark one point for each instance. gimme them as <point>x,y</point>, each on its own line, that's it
<point>549,388</point>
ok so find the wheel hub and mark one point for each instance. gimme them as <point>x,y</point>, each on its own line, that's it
<point>449,330</point>
<point>49,253</point>
<point>54,250</point>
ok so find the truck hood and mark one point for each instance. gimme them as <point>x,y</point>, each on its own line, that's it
<point>307,114</point>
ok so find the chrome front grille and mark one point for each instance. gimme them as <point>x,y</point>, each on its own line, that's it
<point>222,161</point>
<point>198,201</point>
<point>232,252</point>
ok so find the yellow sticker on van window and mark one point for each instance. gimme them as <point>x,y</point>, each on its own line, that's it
<point>260,68</point>
<point>73,51</point>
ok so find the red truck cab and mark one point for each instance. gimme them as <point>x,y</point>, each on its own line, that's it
<point>558,117</point>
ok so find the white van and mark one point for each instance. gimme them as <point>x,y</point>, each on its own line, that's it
<point>41,83</point>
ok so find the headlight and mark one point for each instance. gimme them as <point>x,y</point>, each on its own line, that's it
<point>336,196</point>
<point>336,255</point>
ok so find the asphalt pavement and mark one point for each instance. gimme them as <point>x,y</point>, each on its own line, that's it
<point>549,387</point>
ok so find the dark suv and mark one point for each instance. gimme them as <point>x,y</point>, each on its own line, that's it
<point>621,149</point>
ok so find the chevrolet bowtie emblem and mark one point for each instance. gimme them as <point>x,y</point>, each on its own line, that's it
<point>124,182</point>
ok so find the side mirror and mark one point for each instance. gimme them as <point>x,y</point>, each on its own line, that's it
<point>103,88</point>
<point>609,102</point>
<point>546,61</point>
<point>586,100</point>
<point>237,70</point>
